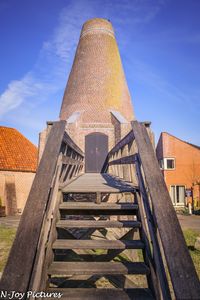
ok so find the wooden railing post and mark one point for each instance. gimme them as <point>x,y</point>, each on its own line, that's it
<point>165,233</point>
<point>159,265</point>
<point>116,167</point>
<point>38,276</point>
<point>133,151</point>
<point>24,267</point>
<point>182,272</point>
<point>17,272</point>
<point>126,174</point>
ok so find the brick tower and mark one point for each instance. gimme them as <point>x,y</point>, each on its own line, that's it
<point>96,103</point>
<point>97,84</point>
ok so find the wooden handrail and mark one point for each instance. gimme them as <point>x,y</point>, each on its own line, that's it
<point>182,272</point>
<point>123,160</point>
<point>126,140</point>
<point>165,233</point>
<point>70,142</point>
<point>18,271</point>
<point>70,161</point>
<point>159,268</point>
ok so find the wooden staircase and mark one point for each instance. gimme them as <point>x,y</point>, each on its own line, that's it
<point>113,235</point>
<point>84,255</point>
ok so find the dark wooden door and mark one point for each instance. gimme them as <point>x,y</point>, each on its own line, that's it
<point>96,150</point>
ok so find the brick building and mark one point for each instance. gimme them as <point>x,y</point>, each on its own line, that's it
<point>96,103</point>
<point>18,163</point>
<point>180,164</point>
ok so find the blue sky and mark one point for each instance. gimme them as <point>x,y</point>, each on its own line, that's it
<point>159,42</point>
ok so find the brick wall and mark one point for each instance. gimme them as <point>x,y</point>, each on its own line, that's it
<point>14,190</point>
<point>96,86</point>
<point>187,162</point>
<point>97,82</point>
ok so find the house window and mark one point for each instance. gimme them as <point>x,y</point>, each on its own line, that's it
<point>177,193</point>
<point>167,163</point>
<point>170,163</point>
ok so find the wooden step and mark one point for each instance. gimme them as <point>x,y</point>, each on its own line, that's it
<point>98,244</point>
<point>97,224</point>
<point>103,294</point>
<point>97,268</point>
<point>91,208</point>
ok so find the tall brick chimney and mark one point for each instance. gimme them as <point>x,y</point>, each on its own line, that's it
<point>96,103</point>
<point>97,83</point>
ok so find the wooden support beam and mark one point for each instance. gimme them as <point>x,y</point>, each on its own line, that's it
<point>98,268</point>
<point>70,143</point>
<point>21,260</point>
<point>98,198</point>
<point>71,161</point>
<point>126,140</point>
<point>182,272</point>
<point>124,160</point>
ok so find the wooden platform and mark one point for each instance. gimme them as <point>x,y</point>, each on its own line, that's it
<point>101,182</point>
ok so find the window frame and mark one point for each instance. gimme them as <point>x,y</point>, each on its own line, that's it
<point>163,163</point>
<point>175,202</point>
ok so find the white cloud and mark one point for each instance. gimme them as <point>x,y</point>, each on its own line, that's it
<point>16,92</point>
<point>54,60</point>
<point>49,73</point>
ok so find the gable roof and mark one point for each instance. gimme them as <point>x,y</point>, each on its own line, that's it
<point>17,153</point>
<point>195,146</point>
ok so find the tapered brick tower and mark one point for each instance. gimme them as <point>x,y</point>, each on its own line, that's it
<point>96,103</point>
<point>97,84</point>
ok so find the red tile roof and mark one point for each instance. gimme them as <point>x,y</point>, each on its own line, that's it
<point>17,153</point>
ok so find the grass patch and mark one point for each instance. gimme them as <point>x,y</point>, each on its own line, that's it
<point>7,236</point>
<point>190,238</point>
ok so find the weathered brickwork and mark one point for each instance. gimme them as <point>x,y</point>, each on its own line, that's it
<point>18,163</point>
<point>96,88</point>
<point>97,83</point>
<point>42,142</point>
<point>14,190</point>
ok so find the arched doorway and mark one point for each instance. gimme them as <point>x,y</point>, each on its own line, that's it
<point>96,150</point>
